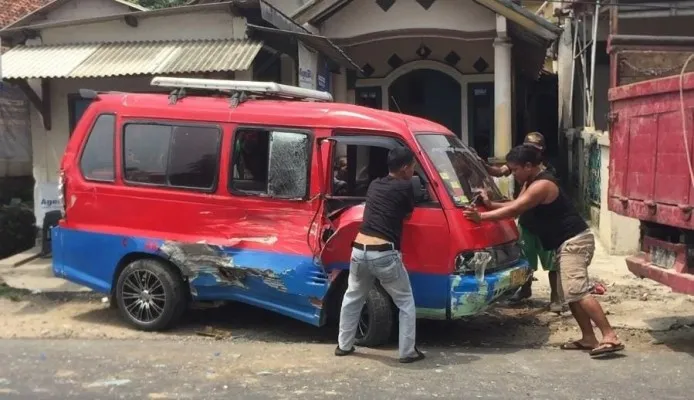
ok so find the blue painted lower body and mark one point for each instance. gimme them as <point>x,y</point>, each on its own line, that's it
<point>289,284</point>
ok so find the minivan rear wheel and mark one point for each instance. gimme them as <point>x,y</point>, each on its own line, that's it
<point>377,319</point>
<point>150,295</point>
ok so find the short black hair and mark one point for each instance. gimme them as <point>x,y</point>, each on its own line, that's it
<point>399,157</point>
<point>524,154</point>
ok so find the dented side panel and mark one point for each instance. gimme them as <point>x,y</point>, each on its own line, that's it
<point>290,284</point>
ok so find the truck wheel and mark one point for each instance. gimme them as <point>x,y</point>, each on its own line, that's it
<point>376,321</point>
<point>150,295</point>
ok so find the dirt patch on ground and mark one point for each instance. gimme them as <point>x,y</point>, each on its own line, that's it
<point>526,326</point>
<point>11,293</point>
<point>647,316</point>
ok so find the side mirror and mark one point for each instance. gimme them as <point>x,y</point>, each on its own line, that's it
<point>421,194</point>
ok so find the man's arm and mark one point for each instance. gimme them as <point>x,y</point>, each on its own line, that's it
<point>492,205</point>
<point>497,172</point>
<point>495,205</point>
<point>534,195</point>
<point>492,170</point>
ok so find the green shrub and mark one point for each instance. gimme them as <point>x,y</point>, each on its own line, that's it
<point>17,229</point>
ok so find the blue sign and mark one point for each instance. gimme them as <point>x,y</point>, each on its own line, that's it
<point>323,75</point>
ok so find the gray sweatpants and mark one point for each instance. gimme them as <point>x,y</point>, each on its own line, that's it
<point>387,267</point>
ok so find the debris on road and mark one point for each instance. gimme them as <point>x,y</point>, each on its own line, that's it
<point>215,333</point>
<point>107,383</point>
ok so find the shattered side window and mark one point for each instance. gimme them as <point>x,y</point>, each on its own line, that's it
<point>288,169</point>
<point>270,163</point>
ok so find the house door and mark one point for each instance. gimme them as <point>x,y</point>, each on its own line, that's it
<point>481,118</point>
<point>429,94</point>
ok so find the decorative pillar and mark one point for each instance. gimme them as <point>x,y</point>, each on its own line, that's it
<point>503,114</point>
<point>502,92</point>
<point>340,86</point>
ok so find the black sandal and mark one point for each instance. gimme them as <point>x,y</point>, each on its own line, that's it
<point>411,359</point>
<point>605,348</point>
<point>341,353</point>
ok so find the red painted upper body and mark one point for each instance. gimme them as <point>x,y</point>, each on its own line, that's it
<point>432,237</point>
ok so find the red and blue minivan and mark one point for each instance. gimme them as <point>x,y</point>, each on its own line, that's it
<point>253,192</point>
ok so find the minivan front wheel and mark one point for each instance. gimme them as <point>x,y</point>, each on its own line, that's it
<point>377,319</point>
<point>150,295</point>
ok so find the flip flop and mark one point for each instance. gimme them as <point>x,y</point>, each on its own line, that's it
<point>606,348</point>
<point>575,345</point>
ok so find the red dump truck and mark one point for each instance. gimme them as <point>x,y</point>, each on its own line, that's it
<point>652,174</point>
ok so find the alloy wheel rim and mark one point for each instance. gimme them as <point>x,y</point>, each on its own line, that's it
<point>143,296</point>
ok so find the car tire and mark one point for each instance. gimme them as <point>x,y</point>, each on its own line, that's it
<point>151,295</point>
<point>377,319</point>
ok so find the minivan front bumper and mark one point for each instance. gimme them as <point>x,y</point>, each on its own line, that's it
<point>469,297</point>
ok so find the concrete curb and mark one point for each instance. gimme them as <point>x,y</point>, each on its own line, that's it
<point>22,258</point>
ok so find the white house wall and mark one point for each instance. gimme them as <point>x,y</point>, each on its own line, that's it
<point>362,17</point>
<point>48,146</point>
<point>377,53</point>
<point>201,25</point>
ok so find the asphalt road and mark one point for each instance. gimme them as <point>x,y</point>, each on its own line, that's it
<point>170,369</point>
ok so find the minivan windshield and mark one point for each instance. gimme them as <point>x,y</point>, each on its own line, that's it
<point>459,168</point>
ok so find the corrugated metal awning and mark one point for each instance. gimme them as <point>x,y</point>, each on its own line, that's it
<point>128,58</point>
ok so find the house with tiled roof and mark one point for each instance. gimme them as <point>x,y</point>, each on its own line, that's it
<point>15,137</point>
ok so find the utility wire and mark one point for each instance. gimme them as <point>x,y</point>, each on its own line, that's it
<point>636,6</point>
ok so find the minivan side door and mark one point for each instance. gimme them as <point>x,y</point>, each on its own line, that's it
<point>357,160</point>
<point>269,213</point>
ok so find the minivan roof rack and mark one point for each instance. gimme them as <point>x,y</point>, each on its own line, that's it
<point>239,89</point>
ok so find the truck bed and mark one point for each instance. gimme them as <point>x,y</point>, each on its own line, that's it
<point>649,174</point>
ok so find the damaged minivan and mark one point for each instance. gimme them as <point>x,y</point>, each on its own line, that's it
<point>253,192</point>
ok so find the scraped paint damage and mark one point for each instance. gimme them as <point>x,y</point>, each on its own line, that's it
<point>197,259</point>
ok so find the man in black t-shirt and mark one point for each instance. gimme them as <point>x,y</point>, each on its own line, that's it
<point>376,255</point>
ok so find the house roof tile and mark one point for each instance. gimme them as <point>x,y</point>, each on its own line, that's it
<point>13,10</point>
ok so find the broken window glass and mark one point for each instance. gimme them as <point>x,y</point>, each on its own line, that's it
<point>288,166</point>
<point>270,163</point>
